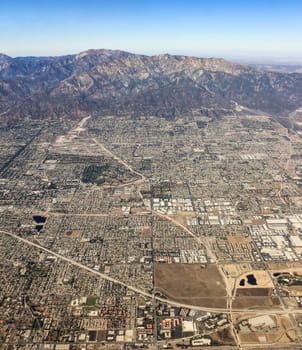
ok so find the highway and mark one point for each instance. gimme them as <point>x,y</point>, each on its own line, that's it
<point>75,263</point>
<point>232,312</point>
<point>267,311</point>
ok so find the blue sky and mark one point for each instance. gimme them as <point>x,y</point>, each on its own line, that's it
<point>230,28</point>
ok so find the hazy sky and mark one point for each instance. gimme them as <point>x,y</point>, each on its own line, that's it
<point>227,28</point>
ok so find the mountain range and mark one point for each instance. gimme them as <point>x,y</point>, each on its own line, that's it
<point>121,83</point>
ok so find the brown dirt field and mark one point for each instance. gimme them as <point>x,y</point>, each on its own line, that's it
<point>239,240</point>
<point>180,217</point>
<point>285,322</point>
<point>224,336</point>
<point>116,211</point>
<point>101,335</point>
<point>248,338</point>
<point>294,291</point>
<point>191,284</point>
<point>146,232</point>
<point>284,334</point>
<point>244,268</point>
<point>255,302</point>
<point>296,200</point>
<point>216,302</point>
<point>231,270</point>
<point>253,292</point>
<point>258,222</point>
<point>74,233</point>
<point>139,210</point>
<point>291,335</point>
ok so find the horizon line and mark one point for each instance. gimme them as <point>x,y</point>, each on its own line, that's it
<point>244,58</point>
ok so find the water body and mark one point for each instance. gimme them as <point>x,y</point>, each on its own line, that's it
<point>277,274</point>
<point>251,280</point>
<point>39,219</point>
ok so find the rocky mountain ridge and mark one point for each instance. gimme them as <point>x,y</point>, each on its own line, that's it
<point>117,82</point>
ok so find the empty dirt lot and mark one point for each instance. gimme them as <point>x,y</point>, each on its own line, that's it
<point>191,284</point>
<point>252,302</point>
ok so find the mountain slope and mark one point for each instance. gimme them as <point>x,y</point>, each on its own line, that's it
<point>116,82</point>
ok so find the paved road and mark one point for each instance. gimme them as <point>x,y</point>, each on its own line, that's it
<point>228,310</point>
<point>259,311</point>
<point>106,150</point>
<point>75,263</point>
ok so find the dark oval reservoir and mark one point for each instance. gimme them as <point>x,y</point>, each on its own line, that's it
<point>39,219</point>
<point>251,280</point>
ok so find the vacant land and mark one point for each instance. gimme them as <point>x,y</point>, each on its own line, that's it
<point>282,334</point>
<point>224,337</point>
<point>191,284</point>
<point>146,232</point>
<point>253,292</point>
<point>253,302</point>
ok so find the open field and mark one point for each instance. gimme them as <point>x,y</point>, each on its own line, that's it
<point>253,292</point>
<point>191,284</point>
<point>253,302</point>
<point>282,333</point>
<point>254,295</point>
<point>224,336</point>
<point>239,240</point>
<point>181,217</point>
<point>74,233</point>
<point>146,232</point>
<point>231,270</point>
